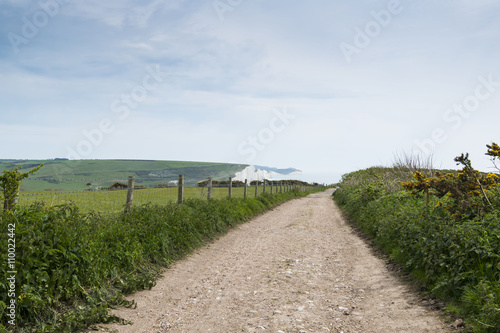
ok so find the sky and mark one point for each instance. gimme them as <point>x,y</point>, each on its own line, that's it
<point>324,86</point>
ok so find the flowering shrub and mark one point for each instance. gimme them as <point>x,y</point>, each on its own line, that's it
<point>494,152</point>
<point>467,190</point>
<point>450,242</point>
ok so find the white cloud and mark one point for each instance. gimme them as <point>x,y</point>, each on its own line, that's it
<point>140,46</point>
<point>225,77</point>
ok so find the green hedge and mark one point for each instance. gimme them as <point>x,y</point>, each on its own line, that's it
<point>72,266</point>
<point>458,261</point>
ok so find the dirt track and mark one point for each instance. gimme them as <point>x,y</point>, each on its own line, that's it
<point>298,268</point>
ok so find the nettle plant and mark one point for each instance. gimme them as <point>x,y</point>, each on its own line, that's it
<point>468,191</point>
<point>10,183</point>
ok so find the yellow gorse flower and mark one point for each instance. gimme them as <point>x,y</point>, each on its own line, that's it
<point>493,150</point>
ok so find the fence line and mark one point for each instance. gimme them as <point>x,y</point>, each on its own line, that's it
<point>120,199</point>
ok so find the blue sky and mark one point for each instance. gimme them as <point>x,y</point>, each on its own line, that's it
<point>327,87</point>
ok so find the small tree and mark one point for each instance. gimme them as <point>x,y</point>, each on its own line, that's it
<point>10,182</point>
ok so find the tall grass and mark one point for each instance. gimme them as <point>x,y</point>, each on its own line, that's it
<point>411,162</point>
<point>72,266</point>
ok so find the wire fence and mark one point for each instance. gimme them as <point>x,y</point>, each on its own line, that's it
<point>120,199</point>
<point>101,201</point>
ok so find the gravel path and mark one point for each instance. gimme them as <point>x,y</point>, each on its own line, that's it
<point>297,268</point>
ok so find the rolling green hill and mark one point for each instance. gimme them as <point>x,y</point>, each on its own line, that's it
<point>76,174</point>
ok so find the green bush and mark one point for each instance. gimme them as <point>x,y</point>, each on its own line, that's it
<point>458,261</point>
<point>72,266</point>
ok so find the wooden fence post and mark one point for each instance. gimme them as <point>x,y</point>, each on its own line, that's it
<point>130,194</point>
<point>180,189</point>
<point>209,188</point>
<point>264,181</point>
<point>271,187</point>
<point>230,187</point>
<point>256,188</point>
<point>245,192</point>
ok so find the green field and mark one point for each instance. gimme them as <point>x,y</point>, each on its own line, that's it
<point>114,201</point>
<point>75,175</point>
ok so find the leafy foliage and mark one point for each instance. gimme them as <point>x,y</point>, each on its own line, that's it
<point>73,266</point>
<point>10,182</point>
<point>451,243</point>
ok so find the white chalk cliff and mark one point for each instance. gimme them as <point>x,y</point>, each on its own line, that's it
<point>252,173</point>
